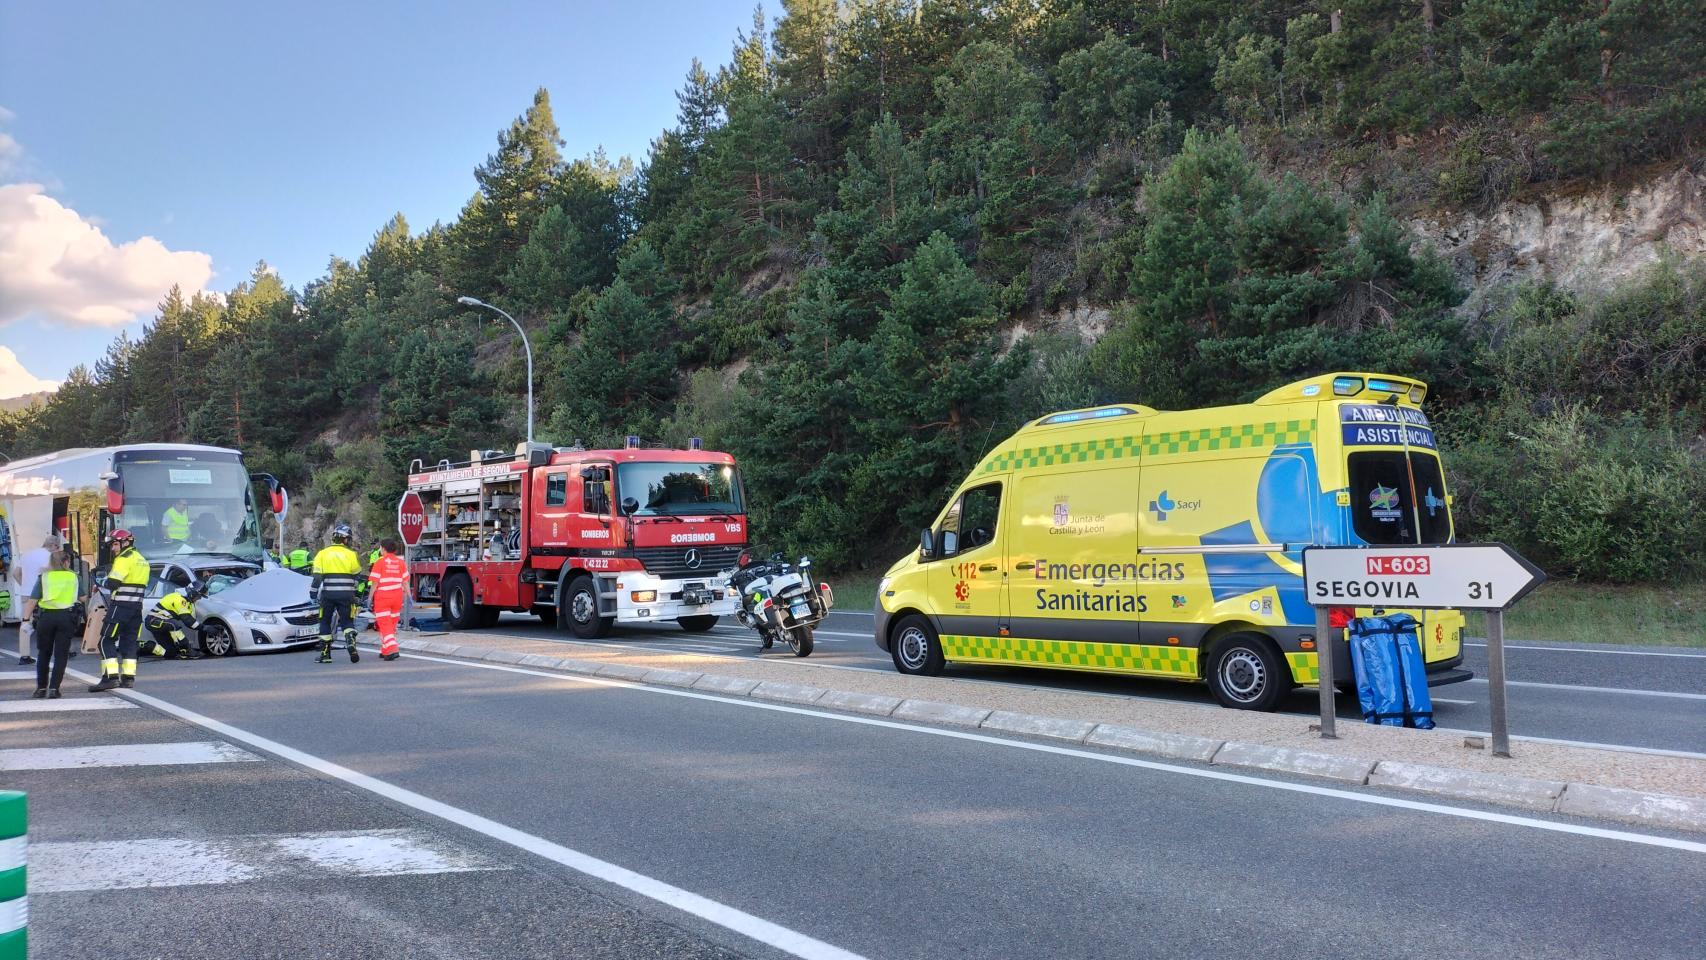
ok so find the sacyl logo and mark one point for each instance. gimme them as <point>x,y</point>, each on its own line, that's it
<point>1163,505</point>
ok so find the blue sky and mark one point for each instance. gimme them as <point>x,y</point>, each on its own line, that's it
<point>285,133</point>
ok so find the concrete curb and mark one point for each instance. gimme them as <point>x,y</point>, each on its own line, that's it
<point>1284,759</point>
<point>1545,796</point>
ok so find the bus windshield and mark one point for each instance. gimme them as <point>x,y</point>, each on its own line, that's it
<point>189,503</point>
<point>1398,498</point>
<point>680,489</point>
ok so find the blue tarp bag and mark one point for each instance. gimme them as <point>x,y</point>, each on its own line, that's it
<point>1392,679</point>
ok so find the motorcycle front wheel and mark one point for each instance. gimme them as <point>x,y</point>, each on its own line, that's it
<point>800,641</point>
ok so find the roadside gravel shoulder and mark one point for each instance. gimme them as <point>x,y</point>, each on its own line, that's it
<point>1657,790</point>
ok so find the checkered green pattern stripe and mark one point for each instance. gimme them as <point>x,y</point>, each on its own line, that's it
<point>1305,667</point>
<point>1249,436</point>
<point>1112,657</point>
<point>1084,451</point>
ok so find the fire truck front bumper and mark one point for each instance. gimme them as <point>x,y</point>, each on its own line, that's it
<point>641,598</point>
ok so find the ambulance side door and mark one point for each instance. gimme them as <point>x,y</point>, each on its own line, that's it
<point>967,575</point>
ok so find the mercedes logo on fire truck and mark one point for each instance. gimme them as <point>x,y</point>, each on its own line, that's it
<point>692,559</point>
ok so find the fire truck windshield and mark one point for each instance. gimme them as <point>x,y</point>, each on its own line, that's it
<point>680,489</point>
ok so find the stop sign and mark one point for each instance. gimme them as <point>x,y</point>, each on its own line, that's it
<point>411,518</point>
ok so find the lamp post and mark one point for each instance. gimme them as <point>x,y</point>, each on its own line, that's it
<point>472,302</point>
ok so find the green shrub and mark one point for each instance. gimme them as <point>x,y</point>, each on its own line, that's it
<point>1608,499</point>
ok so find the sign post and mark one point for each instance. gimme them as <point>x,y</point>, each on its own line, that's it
<point>1457,576</point>
<point>411,524</point>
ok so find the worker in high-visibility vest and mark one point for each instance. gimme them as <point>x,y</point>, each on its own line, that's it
<point>176,521</point>
<point>53,605</point>
<point>126,583</point>
<point>299,559</point>
<point>172,621</point>
<point>336,571</point>
<point>388,576</point>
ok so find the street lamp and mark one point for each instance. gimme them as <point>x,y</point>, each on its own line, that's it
<point>472,302</point>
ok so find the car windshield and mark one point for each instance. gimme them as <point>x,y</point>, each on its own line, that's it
<point>181,505</point>
<point>680,489</point>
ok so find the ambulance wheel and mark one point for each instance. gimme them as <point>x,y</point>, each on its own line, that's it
<point>584,621</point>
<point>698,624</point>
<point>916,647</point>
<point>458,604</point>
<point>1246,672</point>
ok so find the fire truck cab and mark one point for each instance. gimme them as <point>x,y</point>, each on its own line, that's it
<point>586,539</point>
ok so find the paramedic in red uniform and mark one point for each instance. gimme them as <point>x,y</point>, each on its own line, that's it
<point>386,578</point>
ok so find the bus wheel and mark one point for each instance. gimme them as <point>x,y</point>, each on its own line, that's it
<point>458,603</point>
<point>1246,672</point>
<point>584,621</point>
<point>916,648</point>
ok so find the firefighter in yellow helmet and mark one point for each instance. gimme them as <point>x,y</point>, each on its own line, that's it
<point>126,582</point>
<point>172,621</point>
<point>336,571</point>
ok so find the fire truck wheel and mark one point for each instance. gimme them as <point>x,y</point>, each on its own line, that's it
<point>698,624</point>
<point>458,605</point>
<point>584,621</point>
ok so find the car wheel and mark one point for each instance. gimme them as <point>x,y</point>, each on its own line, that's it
<point>1246,672</point>
<point>916,647</point>
<point>698,624</point>
<point>458,604</point>
<point>216,639</point>
<point>584,621</point>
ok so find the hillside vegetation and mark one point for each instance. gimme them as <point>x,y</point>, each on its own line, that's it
<point>849,260</point>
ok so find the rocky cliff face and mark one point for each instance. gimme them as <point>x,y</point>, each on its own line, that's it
<point>1586,241</point>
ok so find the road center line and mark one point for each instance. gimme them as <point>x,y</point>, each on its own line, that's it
<point>1614,653</point>
<point>723,915</point>
<point>1574,687</point>
<point>1369,798</point>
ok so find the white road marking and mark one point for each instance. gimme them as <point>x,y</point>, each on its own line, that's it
<point>1620,748</point>
<point>49,706</point>
<point>17,674</point>
<point>746,924</point>
<point>122,755</point>
<point>1461,703</point>
<point>179,862</point>
<point>1575,687</point>
<point>1615,653</point>
<point>1210,774</point>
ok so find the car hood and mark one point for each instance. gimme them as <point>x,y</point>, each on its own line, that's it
<point>268,591</point>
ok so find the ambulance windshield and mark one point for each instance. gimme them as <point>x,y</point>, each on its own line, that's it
<point>680,489</point>
<point>1398,498</point>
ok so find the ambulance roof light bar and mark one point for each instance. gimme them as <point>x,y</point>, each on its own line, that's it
<point>1076,416</point>
<point>1347,386</point>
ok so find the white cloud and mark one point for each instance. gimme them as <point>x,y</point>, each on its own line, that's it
<point>15,381</point>
<point>54,261</point>
<point>9,152</point>
<point>7,116</point>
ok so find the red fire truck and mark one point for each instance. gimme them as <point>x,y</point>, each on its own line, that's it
<point>582,538</point>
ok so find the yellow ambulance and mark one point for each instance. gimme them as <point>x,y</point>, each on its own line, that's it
<point>1123,539</point>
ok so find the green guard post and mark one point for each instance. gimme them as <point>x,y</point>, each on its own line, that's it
<point>14,904</point>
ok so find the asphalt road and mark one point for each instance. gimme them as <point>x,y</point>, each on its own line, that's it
<point>1651,698</point>
<point>874,838</point>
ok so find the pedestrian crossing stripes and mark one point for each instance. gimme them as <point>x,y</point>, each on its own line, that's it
<point>122,755</point>
<point>17,675</point>
<point>180,861</point>
<point>53,706</point>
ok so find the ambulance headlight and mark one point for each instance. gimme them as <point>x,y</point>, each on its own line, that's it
<point>883,585</point>
<point>1347,386</point>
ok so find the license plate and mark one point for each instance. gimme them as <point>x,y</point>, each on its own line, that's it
<point>802,609</point>
<point>306,632</point>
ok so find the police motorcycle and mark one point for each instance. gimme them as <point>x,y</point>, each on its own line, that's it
<point>780,600</point>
